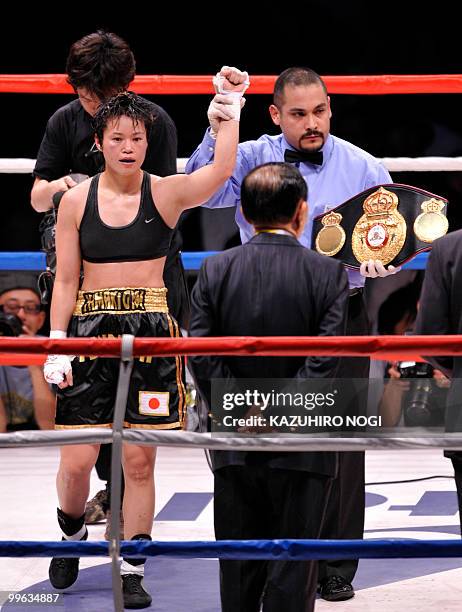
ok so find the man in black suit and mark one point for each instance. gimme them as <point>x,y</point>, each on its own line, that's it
<point>270,286</point>
<point>440,313</point>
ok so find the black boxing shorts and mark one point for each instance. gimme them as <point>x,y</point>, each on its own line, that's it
<point>156,398</point>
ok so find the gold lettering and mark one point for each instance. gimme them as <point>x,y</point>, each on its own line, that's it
<point>115,300</point>
<point>126,300</point>
<point>138,300</point>
<point>89,302</point>
<point>107,300</point>
<point>99,302</point>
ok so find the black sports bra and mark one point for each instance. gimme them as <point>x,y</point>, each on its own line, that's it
<point>146,237</point>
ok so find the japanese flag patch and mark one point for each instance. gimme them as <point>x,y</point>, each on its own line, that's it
<point>154,403</point>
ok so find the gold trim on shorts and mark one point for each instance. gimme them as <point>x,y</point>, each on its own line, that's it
<point>120,300</point>
<point>175,425</point>
<point>107,425</point>
<point>126,425</point>
<point>175,333</point>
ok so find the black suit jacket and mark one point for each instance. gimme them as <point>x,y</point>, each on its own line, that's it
<point>440,313</point>
<point>270,286</point>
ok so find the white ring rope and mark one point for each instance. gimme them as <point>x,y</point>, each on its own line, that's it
<point>187,439</point>
<point>421,164</point>
<point>21,165</point>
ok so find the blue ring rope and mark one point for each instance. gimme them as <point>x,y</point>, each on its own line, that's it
<point>294,550</point>
<point>35,260</point>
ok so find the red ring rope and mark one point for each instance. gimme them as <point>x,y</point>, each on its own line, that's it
<point>387,348</point>
<point>199,84</point>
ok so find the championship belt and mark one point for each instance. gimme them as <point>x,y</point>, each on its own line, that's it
<point>391,223</point>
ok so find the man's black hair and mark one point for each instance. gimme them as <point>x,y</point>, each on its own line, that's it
<point>295,77</point>
<point>102,63</point>
<point>21,288</point>
<point>399,305</point>
<point>270,193</point>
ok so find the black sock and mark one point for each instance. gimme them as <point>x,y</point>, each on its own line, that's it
<point>69,526</point>
<point>139,561</point>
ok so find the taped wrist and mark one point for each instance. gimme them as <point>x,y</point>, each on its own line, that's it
<point>57,366</point>
<point>58,334</point>
<point>219,83</point>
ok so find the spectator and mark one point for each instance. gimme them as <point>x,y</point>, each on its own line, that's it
<point>26,401</point>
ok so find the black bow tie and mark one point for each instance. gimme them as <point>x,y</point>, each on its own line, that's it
<point>312,157</point>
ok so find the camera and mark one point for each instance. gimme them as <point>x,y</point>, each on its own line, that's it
<point>419,406</point>
<point>10,324</point>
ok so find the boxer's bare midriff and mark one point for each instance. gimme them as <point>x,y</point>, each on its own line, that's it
<point>123,274</point>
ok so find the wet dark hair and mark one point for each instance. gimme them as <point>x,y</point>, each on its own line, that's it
<point>102,63</point>
<point>270,193</point>
<point>295,77</point>
<point>125,104</point>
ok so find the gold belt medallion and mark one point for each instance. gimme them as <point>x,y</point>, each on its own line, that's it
<point>331,237</point>
<point>431,223</point>
<point>381,232</point>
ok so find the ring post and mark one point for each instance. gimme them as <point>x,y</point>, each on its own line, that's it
<point>125,371</point>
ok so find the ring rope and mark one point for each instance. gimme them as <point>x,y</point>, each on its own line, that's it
<point>261,84</point>
<point>35,260</point>
<point>20,165</point>
<point>288,549</point>
<point>348,346</point>
<point>212,441</point>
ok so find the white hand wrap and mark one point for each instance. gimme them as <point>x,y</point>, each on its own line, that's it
<point>233,85</point>
<point>57,366</point>
<point>220,109</point>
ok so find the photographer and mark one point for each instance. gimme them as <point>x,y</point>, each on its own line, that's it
<point>414,393</point>
<point>26,401</point>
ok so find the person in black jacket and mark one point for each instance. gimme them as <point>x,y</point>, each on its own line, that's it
<point>440,308</point>
<point>98,66</point>
<point>270,286</point>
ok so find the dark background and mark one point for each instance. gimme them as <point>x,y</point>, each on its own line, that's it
<point>333,38</point>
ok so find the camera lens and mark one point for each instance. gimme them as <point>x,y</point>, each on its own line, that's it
<point>418,410</point>
<point>10,325</point>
